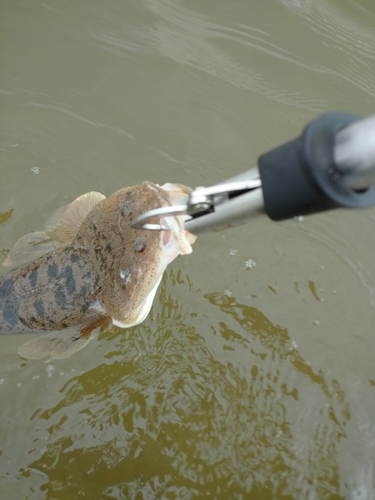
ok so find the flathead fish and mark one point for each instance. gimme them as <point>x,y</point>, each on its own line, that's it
<point>89,269</point>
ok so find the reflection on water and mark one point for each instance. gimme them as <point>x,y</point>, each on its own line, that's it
<point>182,411</point>
<point>189,39</point>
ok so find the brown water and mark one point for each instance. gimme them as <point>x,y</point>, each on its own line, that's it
<point>245,382</point>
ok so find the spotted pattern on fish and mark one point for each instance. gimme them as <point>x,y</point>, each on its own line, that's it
<point>50,293</point>
<point>10,306</point>
<point>105,271</point>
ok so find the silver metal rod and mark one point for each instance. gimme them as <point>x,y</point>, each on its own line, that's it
<point>232,212</point>
<point>354,153</point>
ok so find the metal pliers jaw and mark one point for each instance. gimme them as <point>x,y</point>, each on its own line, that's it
<point>210,208</point>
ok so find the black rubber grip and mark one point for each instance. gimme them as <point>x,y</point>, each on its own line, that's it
<point>300,177</point>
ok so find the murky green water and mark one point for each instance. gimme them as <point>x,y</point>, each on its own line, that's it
<point>244,383</point>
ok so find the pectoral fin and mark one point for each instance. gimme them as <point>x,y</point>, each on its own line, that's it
<point>58,345</point>
<point>64,224</point>
<point>62,344</point>
<point>60,229</point>
<point>30,247</point>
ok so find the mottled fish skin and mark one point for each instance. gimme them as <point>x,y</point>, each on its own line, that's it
<point>104,273</point>
<point>50,293</point>
<point>125,259</point>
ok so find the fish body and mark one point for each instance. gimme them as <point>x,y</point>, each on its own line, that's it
<point>90,268</point>
<point>50,293</point>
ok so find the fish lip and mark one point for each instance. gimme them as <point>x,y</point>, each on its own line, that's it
<point>144,309</point>
<point>178,236</point>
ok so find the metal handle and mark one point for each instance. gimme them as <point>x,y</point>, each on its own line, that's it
<point>331,165</point>
<point>354,153</point>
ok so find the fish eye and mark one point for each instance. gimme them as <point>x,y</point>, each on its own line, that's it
<point>139,245</point>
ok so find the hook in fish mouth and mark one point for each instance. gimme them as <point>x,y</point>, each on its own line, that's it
<point>178,208</point>
<point>167,211</point>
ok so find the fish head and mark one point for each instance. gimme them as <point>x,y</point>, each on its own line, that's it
<point>134,264</point>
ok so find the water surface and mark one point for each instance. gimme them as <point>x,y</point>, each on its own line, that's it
<point>246,381</point>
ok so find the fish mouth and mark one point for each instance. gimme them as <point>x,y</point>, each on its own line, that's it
<point>182,239</point>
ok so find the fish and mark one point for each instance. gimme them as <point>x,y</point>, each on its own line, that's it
<point>89,269</point>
